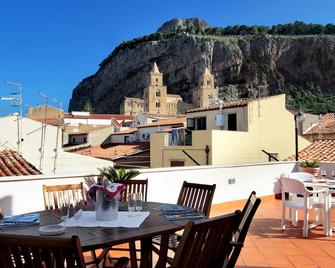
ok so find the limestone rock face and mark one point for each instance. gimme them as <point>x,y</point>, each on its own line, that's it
<point>243,66</point>
<point>182,24</point>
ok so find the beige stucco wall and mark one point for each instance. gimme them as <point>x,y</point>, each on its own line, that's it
<point>39,112</point>
<point>241,114</point>
<point>161,154</point>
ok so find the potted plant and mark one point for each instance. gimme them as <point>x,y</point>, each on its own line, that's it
<point>118,174</point>
<point>107,191</point>
<point>311,167</point>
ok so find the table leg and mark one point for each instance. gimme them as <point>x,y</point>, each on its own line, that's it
<point>146,253</point>
<point>163,250</point>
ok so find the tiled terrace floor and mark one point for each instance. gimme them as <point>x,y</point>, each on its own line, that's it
<point>267,246</point>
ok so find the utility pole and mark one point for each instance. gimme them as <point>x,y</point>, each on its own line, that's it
<point>57,136</point>
<point>16,98</point>
<point>43,132</point>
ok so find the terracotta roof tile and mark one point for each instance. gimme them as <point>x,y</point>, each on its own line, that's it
<point>225,104</point>
<point>320,150</point>
<point>114,150</point>
<point>100,116</point>
<point>13,164</point>
<point>326,125</point>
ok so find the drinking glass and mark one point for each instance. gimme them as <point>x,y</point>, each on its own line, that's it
<point>65,213</point>
<point>78,212</point>
<point>131,203</point>
<point>138,202</point>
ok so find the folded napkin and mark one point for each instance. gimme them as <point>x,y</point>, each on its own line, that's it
<point>175,209</point>
<point>21,219</point>
<point>182,216</point>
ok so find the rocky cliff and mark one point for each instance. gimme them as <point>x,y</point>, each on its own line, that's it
<point>243,66</point>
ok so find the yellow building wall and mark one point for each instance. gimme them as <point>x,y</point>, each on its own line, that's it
<point>161,154</point>
<point>270,127</point>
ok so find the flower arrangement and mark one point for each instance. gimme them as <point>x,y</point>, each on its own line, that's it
<point>106,192</point>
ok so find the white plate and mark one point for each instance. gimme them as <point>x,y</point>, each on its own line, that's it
<point>54,229</point>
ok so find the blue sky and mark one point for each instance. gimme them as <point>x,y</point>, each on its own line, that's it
<point>50,46</point>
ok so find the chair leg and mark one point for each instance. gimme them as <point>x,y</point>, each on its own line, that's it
<point>306,218</point>
<point>294,217</point>
<point>283,217</point>
<point>132,253</point>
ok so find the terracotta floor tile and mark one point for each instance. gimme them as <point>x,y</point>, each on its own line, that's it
<point>268,246</point>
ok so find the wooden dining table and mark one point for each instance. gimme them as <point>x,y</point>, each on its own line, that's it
<point>92,238</point>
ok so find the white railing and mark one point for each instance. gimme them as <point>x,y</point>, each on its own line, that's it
<point>24,194</point>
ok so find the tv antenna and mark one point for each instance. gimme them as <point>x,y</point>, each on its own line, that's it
<point>43,129</point>
<point>16,100</point>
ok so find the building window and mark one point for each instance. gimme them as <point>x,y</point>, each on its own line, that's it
<point>210,96</point>
<point>73,140</point>
<point>208,82</point>
<point>232,122</point>
<point>126,139</point>
<point>156,79</point>
<point>177,163</point>
<point>85,140</point>
<point>201,123</point>
<point>158,104</point>
<point>158,93</point>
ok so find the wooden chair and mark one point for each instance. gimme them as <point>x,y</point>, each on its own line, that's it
<point>206,243</point>
<point>40,251</point>
<point>194,195</point>
<point>56,196</point>
<point>133,186</point>
<point>240,233</point>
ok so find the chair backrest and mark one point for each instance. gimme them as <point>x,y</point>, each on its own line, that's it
<point>135,186</point>
<point>206,243</point>
<point>293,186</point>
<point>40,251</point>
<point>302,176</point>
<point>240,234</point>
<point>198,196</point>
<point>56,196</point>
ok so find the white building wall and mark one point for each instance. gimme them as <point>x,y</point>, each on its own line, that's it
<point>31,134</point>
<point>24,194</point>
<point>145,132</point>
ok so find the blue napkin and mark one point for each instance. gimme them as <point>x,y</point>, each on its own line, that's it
<point>174,208</point>
<point>183,216</point>
<point>21,219</point>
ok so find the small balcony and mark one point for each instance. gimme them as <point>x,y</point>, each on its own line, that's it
<point>179,137</point>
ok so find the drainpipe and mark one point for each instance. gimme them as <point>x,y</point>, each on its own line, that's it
<point>207,154</point>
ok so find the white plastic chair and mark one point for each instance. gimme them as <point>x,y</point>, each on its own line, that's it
<point>307,202</point>
<point>302,176</point>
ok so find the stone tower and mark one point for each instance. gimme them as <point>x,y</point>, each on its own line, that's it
<point>205,90</point>
<point>154,95</point>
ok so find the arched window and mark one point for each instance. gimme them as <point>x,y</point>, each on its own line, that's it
<point>158,104</point>
<point>158,93</point>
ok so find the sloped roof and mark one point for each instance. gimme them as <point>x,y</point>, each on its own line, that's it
<point>225,104</point>
<point>126,131</point>
<point>165,122</point>
<point>99,116</point>
<point>326,125</point>
<point>112,151</point>
<point>320,150</point>
<point>13,164</point>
